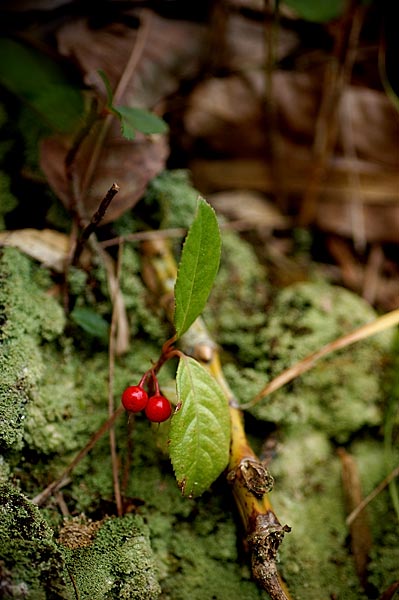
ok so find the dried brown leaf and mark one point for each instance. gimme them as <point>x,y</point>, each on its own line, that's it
<point>227,114</point>
<point>172,52</point>
<point>47,246</point>
<point>249,208</point>
<point>166,52</point>
<point>131,164</point>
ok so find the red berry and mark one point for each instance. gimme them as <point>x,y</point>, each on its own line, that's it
<point>134,398</point>
<point>158,409</point>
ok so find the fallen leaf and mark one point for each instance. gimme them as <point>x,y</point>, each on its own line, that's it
<point>249,208</point>
<point>47,246</point>
<point>226,114</point>
<point>171,52</point>
<point>130,164</point>
<point>165,51</point>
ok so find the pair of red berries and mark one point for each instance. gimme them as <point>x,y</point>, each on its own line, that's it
<point>157,408</point>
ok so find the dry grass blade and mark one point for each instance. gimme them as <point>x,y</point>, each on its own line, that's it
<point>354,514</point>
<point>111,370</point>
<point>380,324</point>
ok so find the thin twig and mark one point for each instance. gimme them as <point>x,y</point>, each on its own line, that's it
<point>173,232</point>
<point>126,77</point>
<point>111,370</point>
<point>75,587</point>
<point>372,273</point>
<point>58,483</point>
<point>380,487</point>
<point>59,498</point>
<point>142,236</point>
<point>94,221</point>
<point>365,331</point>
<point>249,479</point>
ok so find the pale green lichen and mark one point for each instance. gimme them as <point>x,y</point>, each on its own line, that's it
<point>236,310</point>
<point>194,542</point>
<point>173,195</point>
<point>144,314</point>
<point>29,319</point>
<point>342,393</point>
<point>308,496</point>
<point>118,563</point>
<point>383,522</point>
<point>31,565</point>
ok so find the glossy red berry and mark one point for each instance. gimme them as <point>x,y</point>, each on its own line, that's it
<point>134,398</point>
<point>158,409</point>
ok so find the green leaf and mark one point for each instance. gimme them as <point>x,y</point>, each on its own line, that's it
<point>199,430</point>
<point>41,84</point>
<point>314,10</point>
<point>198,267</point>
<point>91,322</point>
<point>108,88</point>
<point>138,119</point>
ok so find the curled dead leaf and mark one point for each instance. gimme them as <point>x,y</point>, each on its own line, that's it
<point>131,164</point>
<point>150,61</point>
<point>170,51</point>
<point>47,246</point>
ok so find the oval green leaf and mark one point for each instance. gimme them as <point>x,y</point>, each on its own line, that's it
<point>199,430</point>
<point>138,119</point>
<point>198,267</point>
<point>91,322</point>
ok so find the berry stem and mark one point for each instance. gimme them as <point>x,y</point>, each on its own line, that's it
<point>249,479</point>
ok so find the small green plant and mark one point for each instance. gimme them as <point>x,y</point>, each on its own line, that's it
<point>132,118</point>
<point>200,425</point>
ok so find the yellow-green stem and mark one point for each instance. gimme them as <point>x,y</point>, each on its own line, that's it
<point>249,479</point>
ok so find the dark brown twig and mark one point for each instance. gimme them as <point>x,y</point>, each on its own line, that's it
<point>94,222</point>
<point>137,50</point>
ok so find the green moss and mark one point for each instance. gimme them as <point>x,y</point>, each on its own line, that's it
<point>342,393</point>
<point>314,557</point>
<point>143,312</point>
<point>194,542</point>
<point>29,319</point>
<point>236,309</point>
<point>382,519</point>
<point>31,563</point>
<point>118,563</point>
<point>172,193</point>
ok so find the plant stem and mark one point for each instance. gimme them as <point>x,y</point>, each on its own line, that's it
<point>58,483</point>
<point>111,371</point>
<point>94,222</point>
<point>249,479</point>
